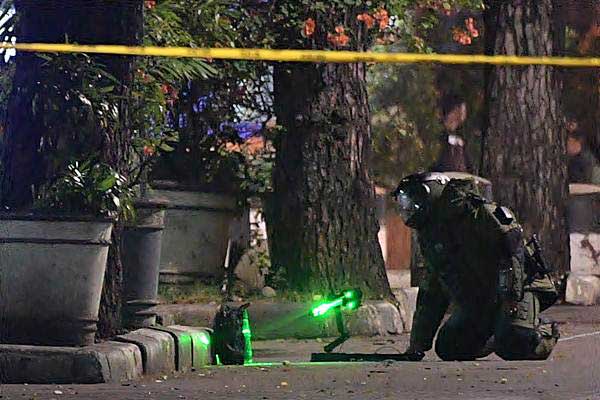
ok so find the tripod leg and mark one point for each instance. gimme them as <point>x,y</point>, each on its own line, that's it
<point>341,326</point>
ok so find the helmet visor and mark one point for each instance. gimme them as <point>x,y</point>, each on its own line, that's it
<point>406,205</point>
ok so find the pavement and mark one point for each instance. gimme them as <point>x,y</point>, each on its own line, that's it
<point>282,372</point>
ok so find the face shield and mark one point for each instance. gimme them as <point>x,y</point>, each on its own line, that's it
<point>406,205</point>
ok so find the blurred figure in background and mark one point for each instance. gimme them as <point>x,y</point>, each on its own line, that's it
<point>583,166</point>
<point>453,156</point>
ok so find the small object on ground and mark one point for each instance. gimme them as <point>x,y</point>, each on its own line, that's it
<point>286,362</point>
<point>268,291</point>
<point>349,299</point>
<point>247,338</point>
<point>57,392</point>
<point>360,357</point>
<point>503,380</point>
<point>231,335</point>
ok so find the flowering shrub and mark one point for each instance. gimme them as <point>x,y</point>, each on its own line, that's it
<point>465,36</point>
<point>88,187</point>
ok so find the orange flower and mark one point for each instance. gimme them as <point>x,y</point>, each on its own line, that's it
<point>367,19</point>
<point>170,92</point>
<point>148,150</point>
<point>309,27</point>
<point>461,36</point>
<point>341,39</point>
<point>470,24</point>
<point>383,18</point>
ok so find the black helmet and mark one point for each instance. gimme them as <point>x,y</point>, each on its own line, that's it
<point>415,194</point>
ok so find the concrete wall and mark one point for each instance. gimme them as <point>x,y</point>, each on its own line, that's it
<point>583,284</point>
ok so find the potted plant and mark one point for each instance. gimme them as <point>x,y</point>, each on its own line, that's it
<point>153,94</point>
<point>53,258</point>
<point>141,240</point>
<point>199,180</point>
<point>202,180</point>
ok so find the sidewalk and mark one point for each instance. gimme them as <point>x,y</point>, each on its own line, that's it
<point>571,373</point>
<point>573,321</point>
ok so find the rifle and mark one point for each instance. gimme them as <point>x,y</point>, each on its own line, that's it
<point>540,266</point>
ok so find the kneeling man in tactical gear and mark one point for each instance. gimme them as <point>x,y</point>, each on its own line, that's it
<point>476,259</point>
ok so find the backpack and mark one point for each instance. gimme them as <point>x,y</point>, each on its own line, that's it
<point>228,338</point>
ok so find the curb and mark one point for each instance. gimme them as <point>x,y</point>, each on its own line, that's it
<point>192,346</point>
<point>279,320</point>
<point>158,350</point>
<point>151,351</point>
<point>108,362</point>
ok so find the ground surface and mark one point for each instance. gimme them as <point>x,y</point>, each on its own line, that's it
<point>573,372</point>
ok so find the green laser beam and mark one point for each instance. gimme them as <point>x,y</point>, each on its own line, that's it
<point>325,307</point>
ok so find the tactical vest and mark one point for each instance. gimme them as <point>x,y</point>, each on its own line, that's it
<point>468,240</point>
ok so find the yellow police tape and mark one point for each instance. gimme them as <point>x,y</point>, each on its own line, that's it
<point>303,55</point>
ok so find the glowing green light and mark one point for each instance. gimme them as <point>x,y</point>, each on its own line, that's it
<point>349,294</point>
<point>204,339</point>
<point>351,305</point>
<point>325,307</point>
<point>247,338</point>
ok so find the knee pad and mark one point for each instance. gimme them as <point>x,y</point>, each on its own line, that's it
<point>519,343</point>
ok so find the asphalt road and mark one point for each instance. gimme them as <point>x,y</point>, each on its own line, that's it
<point>573,372</point>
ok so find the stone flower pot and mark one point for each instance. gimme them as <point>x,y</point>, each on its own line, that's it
<point>140,249</point>
<point>196,232</point>
<point>51,276</point>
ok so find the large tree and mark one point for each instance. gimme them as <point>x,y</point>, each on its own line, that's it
<point>525,141</point>
<point>323,227</point>
<point>43,132</point>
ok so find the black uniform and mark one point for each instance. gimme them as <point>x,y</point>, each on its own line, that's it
<point>477,260</point>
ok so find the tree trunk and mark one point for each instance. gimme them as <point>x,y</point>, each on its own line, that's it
<point>525,145</point>
<point>26,167</point>
<point>322,222</point>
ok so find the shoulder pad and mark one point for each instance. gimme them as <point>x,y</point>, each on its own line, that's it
<point>504,215</point>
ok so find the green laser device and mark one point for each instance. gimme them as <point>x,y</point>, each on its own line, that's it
<point>349,299</point>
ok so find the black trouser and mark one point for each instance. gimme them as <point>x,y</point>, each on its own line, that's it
<point>518,335</point>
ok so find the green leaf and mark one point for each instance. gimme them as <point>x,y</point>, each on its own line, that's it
<point>166,147</point>
<point>107,183</point>
<point>106,89</point>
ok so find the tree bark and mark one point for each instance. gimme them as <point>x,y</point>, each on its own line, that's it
<point>525,146</point>
<point>322,222</point>
<point>26,166</point>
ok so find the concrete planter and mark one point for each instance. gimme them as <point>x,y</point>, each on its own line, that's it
<point>51,276</point>
<point>196,233</point>
<point>140,249</point>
